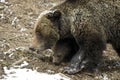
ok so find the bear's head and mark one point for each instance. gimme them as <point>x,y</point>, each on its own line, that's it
<point>46,32</point>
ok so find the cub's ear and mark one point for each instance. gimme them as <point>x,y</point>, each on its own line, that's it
<point>54,15</point>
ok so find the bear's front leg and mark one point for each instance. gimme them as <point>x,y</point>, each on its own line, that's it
<point>91,46</point>
<point>75,64</point>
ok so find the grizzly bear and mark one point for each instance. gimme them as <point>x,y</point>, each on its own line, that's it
<point>92,23</point>
<point>64,50</point>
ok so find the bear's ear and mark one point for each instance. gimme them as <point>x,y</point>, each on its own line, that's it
<point>55,15</point>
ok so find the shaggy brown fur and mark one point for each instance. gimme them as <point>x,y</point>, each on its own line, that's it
<point>92,23</point>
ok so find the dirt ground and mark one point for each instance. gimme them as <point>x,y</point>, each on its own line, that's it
<point>17,18</point>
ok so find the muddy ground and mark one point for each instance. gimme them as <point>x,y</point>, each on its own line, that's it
<point>17,18</point>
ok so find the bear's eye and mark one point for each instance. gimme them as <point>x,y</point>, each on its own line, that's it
<point>50,15</point>
<point>55,15</point>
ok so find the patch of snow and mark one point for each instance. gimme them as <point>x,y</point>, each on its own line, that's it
<point>15,20</point>
<point>25,63</point>
<point>18,72</point>
<point>28,74</point>
<point>23,29</point>
<point>11,50</point>
<point>105,77</point>
<point>50,72</point>
<point>11,54</point>
<point>1,60</point>
<point>1,16</point>
<point>2,1</point>
<point>2,7</point>
<point>50,4</point>
<point>21,48</point>
<point>117,63</point>
<point>26,34</point>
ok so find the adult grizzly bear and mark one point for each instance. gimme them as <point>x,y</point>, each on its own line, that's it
<point>92,23</point>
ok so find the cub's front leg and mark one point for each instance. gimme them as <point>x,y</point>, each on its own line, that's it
<point>64,50</point>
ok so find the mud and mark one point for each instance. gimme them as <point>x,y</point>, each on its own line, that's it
<point>17,18</point>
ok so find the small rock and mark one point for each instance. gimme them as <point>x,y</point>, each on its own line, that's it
<point>48,53</point>
<point>7,4</point>
<point>61,74</point>
<point>23,29</point>
<point>50,72</point>
<point>2,7</point>
<point>20,16</point>
<point>1,16</point>
<point>14,22</point>
<point>30,14</point>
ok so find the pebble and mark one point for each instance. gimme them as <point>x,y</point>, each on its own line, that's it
<point>2,7</point>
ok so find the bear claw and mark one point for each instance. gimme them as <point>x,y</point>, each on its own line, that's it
<point>71,70</point>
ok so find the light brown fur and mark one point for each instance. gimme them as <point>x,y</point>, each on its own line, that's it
<point>92,23</point>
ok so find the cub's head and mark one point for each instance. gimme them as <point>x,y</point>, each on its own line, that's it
<point>46,32</point>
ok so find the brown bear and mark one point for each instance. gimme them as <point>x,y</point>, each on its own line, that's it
<point>64,50</point>
<point>92,23</point>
